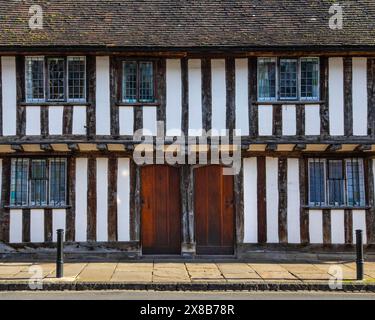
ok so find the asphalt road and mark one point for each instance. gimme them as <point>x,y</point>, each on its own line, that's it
<point>151,295</point>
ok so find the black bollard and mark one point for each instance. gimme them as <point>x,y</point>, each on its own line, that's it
<point>360,260</point>
<point>60,254</point>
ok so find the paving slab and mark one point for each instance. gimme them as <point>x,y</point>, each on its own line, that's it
<point>274,275</point>
<point>131,277</point>
<point>100,272</point>
<point>266,267</point>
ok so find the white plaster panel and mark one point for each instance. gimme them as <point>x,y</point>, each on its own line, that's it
<point>336,96</point>
<point>103,105</point>
<point>174,97</point>
<point>195,97</point>
<point>81,200</point>
<point>123,199</point>
<point>102,199</point>
<point>272,196</point>
<point>218,97</point>
<point>250,186</point>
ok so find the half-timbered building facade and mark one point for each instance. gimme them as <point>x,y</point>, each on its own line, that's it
<point>299,93</point>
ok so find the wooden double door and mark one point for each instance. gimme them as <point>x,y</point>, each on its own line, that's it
<point>161,216</point>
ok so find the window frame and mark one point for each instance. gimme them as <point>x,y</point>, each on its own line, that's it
<point>73,100</point>
<point>327,195</point>
<point>276,80</point>
<point>299,80</point>
<point>49,203</point>
<point>35,100</point>
<point>307,99</point>
<point>154,82</point>
<point>278,85</point>
<point>46,83</point>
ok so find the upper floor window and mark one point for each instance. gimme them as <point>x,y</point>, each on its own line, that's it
<point>288,79</point>
<point>336,183</point>
<point>38,182</point>
<point>138,84</point>
<point>55,79</point>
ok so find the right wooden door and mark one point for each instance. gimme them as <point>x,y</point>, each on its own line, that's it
<point>214,211</point>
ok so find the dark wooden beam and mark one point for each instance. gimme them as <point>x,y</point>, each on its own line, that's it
<point>187,201</point>
<point>253,97</point>
<point>115,94</point>
<point>91,199</point>
<point>371,96</point>
<point>5,198</point>
<point>277,125</point>
<point>262,202</point>
<point>161,81</point>
<point>239,205</point>
<point>112,199</point>
<point>68,120</point>
<point>21,110</point>
<point>300,118</point>
<point>91,96</point>
<point>348,218</point>
<point>327,227</point>
<point>348,96</point>
<point>206,94</point>
<point>283,200</point>
<point>370,192</point>
<point>230,79</point>
<point>185,96</point>
<point>44,122</point>
<point>304,212</point>
<point>70,211</point>
<point>1,101</point>
<point>324,96</point>
<point>26,225</point>
<point>48,232</point>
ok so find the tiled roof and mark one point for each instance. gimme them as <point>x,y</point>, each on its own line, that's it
<point>186,23</point>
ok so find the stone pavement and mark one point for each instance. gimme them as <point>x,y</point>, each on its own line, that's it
<point>185,274</point>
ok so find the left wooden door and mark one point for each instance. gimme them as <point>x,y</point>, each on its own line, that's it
<point>161,210</point>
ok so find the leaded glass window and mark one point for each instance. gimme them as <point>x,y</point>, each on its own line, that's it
<point>337,183</point>
<point>38,182</point>
<point>76,79</point>
<point>310,78</point>
<point>34,79</point>
<point>138,82</point>
<point>267,79</point>
<point>288,79</point>
<point>56,79</point>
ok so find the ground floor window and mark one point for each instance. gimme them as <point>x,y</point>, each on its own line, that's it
<point>336,182</point>
<point>38,182</point>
